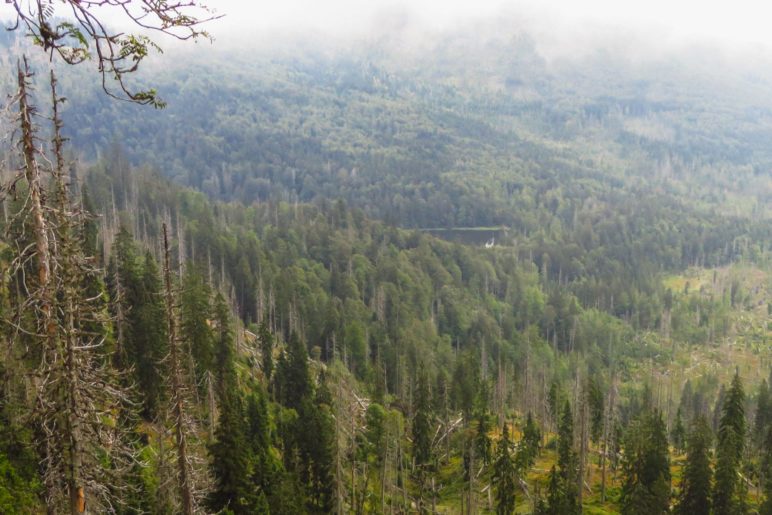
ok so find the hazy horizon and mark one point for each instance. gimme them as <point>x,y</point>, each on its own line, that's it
<point>657,24</point>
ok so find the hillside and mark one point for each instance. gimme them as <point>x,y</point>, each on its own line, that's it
<point>459,275</point>
<point>460,130</point>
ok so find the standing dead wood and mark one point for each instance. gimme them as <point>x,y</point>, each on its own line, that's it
<point>178,390</point>
<point>84,454</point>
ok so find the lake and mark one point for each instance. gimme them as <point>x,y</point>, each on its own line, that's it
<point>478,236</point>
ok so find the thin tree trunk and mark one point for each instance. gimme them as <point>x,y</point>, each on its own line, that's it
<point>40,232</point>
<point>77,492</point>
<point>178,403</point>
<point>40,227</point>
<point>582,443</point>
<point>470,500</point>
<point>606,433</point>
<point>383,479</point>
<point>338,466</point>
<point>71,279</point>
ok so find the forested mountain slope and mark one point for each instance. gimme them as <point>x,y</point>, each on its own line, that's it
<point>461,133</point>
<point>256,285</point>
<point>602,167</point>
<point>488,333</point>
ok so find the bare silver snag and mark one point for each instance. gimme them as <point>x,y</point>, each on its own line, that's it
<point>85,455</point>
<point>191,480</point>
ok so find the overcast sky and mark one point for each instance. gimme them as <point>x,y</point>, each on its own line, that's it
<point>743,24</point>
<point>735,22</point>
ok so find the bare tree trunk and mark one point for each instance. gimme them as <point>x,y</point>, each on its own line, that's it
<point>352,436</point>
<point>582,441</point>
<point>366,474</point>
<point>77,492</point>
<point>40,226</point>
<point>75,394</point>
<point>212,402</point>
<point>470,507</point>
<point>338,465</point>
<point>71,279</point>
<point>607,420</point>
<point>434,496</point>
<point>383,478</point>
<point>47,325</point>
<point>120,320</point>
<point>177,385</point>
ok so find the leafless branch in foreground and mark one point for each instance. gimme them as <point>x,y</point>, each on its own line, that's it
<point>84,35</point>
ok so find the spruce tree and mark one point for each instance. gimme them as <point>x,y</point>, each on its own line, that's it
<point>149,333</point>
<point>265,470</point>
<point>258,424</point>
<point>530,446</point>
<point>179,406</point>
<point>482,440</point>
<point>504,475</point>
<point>686,404</point>
<point>292,378</point>
<point>595,402</point>
<point>195,314</point>
<point>695,483</point>
<point>561,496</point>
<point>139,316</point>
<point>422,422</point>
<point>223,351</point>
<point>678,434</point>
<point>553,401</point>
<point>566,454</point>
<point>233,458</point>
<point>646,467</point>
<point>231,461</point>
<point>76,395</point>
<point>309,435</point>
<point>718,408</point>
<point>766,474</point>
<point>564,481</point>
<point>121,270</point>
<point>374,441</point>
<point>763,406</point>
<point>729,450</point>
<point>316,434</point>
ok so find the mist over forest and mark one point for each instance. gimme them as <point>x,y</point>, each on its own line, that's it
<point>385,261</point>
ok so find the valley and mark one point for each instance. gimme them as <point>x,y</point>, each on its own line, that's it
<point>460,275</point>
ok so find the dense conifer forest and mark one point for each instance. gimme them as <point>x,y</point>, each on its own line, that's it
<point>469,279</point>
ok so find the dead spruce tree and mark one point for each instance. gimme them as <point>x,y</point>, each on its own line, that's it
<point>84,456</point>
<point>189,473</point>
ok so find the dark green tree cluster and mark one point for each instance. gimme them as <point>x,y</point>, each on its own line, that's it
<point>135,283</point>
<point>646,466</point>
<point>695,495</point>
<point>505,475</point>
<point>530,445</point>
<point>308,431</point>
<point>729,493</point>
<point>563,486</point>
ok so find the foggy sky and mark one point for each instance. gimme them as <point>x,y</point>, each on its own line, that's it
<point>738,25</point>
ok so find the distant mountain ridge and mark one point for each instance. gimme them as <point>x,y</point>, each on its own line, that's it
<point>445,136</point>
